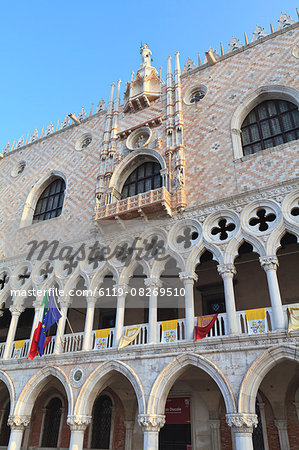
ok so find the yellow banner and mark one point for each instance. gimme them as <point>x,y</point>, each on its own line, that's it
<point>255,314</point>
<point>294,319</point>
<point>169,325</point>
<point>130,335</point>
<point>102,333</point>
<point>19,344</point>
<point>204,321</point>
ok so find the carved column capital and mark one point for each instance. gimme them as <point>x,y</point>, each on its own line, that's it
<point>91,301</point>
<point>129,424</point>
<point>18,422</point>
<point>153,283</point>
<point>242,423</point>
<point>281,424</point>
<point>78,423</point>
<point>226,270</point>
<point>122,289</point>
<point>269,262</point>
<point>151,422</point>
<point>16,310</point>
<point>214,424</point>
<point>188,277</point>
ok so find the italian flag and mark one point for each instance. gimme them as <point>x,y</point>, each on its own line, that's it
<point>34,343</point>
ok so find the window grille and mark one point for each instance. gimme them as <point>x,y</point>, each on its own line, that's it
<point>257,435</point>
<point>50,202</point>
<point>52,423</point>
<point>101,423</point>
<point>145,178</point>
<point>271,123</point>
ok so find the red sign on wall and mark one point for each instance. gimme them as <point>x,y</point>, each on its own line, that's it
<point>177,410</point>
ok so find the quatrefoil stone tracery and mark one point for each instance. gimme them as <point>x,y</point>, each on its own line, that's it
<point>262,219</point>
<point>4,278</point>
<point>187,237</point>
<point>223,229</point>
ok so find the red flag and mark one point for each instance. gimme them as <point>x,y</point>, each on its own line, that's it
<point>201,332</point>
<point>34,344</point>
<point>34,348</point>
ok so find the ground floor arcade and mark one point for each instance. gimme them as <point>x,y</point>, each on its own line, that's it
<point>175,403</point>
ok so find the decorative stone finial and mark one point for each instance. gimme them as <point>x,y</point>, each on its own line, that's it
<point>284,21</point>
<point>6,148</point>
<point>213,52</point>
<point>82,114</point>
<point>189,65</point>
<point>20,142</point>
<point>101,106</point>
<point>145,56</point>
<point>258,33</point>
<point>234,44</point>
<point>65,123</point>
<point>34,136</point>
<point>50,129</point>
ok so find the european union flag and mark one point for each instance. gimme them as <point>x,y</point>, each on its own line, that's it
<point>52,315</point>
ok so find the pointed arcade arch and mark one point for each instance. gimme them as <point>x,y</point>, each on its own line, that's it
<point>258,370</point>
<point>97,380</point>
<point>172,372</point>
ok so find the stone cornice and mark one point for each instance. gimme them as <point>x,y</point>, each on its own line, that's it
<point>227,344</point>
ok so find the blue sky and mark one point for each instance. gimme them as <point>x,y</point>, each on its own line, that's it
<point>58,56</point>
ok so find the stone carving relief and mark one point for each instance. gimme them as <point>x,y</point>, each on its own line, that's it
<point>284,21</point>
<point>234,44</point>
<point>258,33</point>
<point>189,65</point>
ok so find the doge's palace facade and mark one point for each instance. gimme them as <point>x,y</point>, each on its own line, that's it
<point>177,202</point>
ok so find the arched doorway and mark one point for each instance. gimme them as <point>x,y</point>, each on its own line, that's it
<point>48,427</point>
<point>194,395</point>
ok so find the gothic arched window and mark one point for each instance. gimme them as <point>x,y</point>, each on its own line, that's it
<point>52,420</point>
<point>270,123</point>
<point>50,202</point>
<point>4,429</point>
<point>144,178</point>
<point>101,422</point>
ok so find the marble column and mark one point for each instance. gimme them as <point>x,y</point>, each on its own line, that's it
<point>120,312</point>
<point>16,311</point>
<point>87,344</point>
<point>242,427</point>
<point>188,279</point>
<point>59,348</point>
<point>227,272</point>
<point>215,434</point>
<point>270,264</point>
<point>129,426</point>
<point>151,424</point>
<point>153,284</point>
<point>282,427</point>
<point>17,425</point>
<point>78,425</point>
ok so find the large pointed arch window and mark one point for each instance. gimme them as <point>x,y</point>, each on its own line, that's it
<point>50,202</point>
<point>270,123</point>
<point>52,421</point>
<point>101,423</point>
<point>144,178</point>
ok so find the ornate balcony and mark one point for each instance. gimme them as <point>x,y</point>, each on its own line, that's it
<point>141,204</point>
<point>73,343</point>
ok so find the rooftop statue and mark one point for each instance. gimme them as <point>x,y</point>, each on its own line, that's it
<point>145,55</point>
